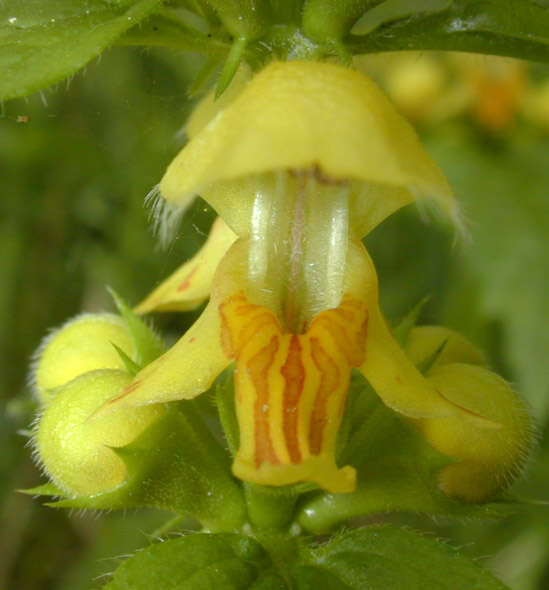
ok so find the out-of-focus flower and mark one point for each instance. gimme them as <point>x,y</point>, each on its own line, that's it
<point>83,344</point>
<point>430,87</point>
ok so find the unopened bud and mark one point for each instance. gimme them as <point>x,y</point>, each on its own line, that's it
<point>488,457</point>
<point>83,344</point>
<point>74,448</point>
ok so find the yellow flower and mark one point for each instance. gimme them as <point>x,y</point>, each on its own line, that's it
<point>429,87</point>
<point>300,164</point>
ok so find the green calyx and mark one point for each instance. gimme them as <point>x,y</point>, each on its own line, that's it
<point>175,465</point>
<point>75,450</point>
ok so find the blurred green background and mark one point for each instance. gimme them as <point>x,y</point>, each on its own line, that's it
<point>76,163</point>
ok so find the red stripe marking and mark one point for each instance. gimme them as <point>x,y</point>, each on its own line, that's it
<point>294,375</point>
<point>258,370</point>
<point>330,380</point>
<point>258,324</point>
<point>226,335</point>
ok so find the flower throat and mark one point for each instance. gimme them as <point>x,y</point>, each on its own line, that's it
<point>298,245</point>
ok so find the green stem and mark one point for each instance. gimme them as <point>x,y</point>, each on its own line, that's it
<point>330,20</point>
<point>206,73</point>
<point>231,65</point>
<point>167,526</point>
<point>269,509</point>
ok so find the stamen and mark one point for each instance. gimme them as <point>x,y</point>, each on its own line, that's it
<point>258,255</point>
<point>337,252</point>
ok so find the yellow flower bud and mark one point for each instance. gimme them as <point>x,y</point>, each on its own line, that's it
<point>415,82</point>
<point>74,448</point>
<point>83,344</point>
<point>424,342</point>
<point>488,458</point>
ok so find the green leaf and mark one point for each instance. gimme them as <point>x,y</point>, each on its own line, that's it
<point>382,557</point>
<point>175,465</point>
<point>206,73</point>
<point>132,367</point>
<point>503,188</point>
<point>499,27</point>
<point>199,561</point>
<point>428,362</point>
<point>396,471</point>
<point>47,489</point>
<point>42,43</point>
<point>392,10</point>
<point>148,345</point>
<point>402,329</point>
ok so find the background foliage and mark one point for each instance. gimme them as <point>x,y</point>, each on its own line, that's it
<point>76,163</point>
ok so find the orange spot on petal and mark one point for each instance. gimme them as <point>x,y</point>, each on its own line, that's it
<point>187,280</point>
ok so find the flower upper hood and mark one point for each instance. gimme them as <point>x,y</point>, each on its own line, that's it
<point>304,115</point>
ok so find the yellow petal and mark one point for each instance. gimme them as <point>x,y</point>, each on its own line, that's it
<point>210,106</point>
<point>308,115</point>
<point>83,344</point>
<point>167,215</point>
<point>290,391</point>
<point>391,373</point>
<point>186,370</point>
<point>192,364</point>
<point>190,284</point>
